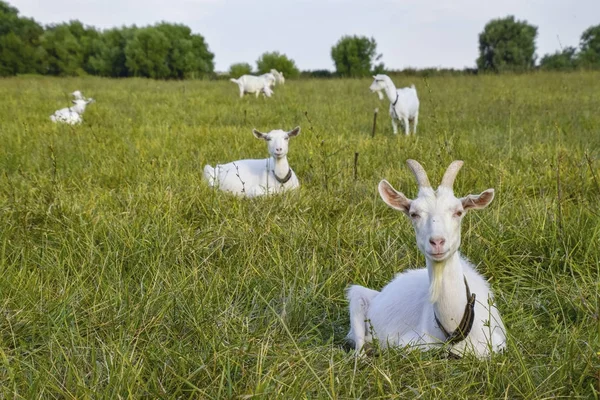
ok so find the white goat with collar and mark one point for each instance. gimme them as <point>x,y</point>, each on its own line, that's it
<point>404,102</point>
<point>429,307</point>
<point>257,177</point>
<point>71,115</point>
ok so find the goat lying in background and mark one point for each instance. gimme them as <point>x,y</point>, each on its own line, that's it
<point>257,177</point>
<point>71,115</point>
<point>446,303</point>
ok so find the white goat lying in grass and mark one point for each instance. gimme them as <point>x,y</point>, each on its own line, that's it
<point>280,80</point>
<point>77,95</point>
<point>404,103</point>
<point>432,306</point>
<point>254,84</point>
<point>71,115</point>
<point>257,177</point>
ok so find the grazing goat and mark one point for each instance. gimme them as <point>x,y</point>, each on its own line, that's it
<point>71,115</point>
<point>280,80</point>
<point>404,103</point>
<point>257,177</point>
<point>254,84</point>
<point>436,305</point>
<point>270,78</point>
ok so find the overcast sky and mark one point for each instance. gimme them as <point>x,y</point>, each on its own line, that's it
<point>409,33</point>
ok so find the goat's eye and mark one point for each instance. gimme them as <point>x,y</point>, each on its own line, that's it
<point>287,138</point>
<point>268,139</point>
<point>459,213</point>
<point>414,215</point>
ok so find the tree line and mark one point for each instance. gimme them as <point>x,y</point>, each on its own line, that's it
<point>160,51</point>
<point>172,51</point>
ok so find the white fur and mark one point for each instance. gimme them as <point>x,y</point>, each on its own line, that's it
<point>270,78</point>
<point>77,95</point>
<point>252,178</point>
<point>279,79</point>
<point>406,99</point>
<point>254,84</point>
<point>402,314</point>
<point>71,115</point>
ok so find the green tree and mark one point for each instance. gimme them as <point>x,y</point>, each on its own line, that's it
<point>239,69</point>
<point>168,51</point>
<point>280,62</point>
<point>561,60</point>
<point>354,56</point>
<point>506,44</point>
<point>63,54</point>
<point>109,58</point>
<point>188,55</point>
<point>146,54</point>
<point>589,54</point>
<point>19,42</point>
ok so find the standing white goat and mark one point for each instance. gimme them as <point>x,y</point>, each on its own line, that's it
<point>404,102</point>
<point>71,115</point>
<point>257,177</point>
<point>446,303</point>
<point>278,76</point>
<point>254,84</point>
<point>270,78</point>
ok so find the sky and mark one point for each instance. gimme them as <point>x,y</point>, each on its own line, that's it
<point>409,33</point>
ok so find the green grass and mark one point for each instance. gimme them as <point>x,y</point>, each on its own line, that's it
<point>124,275</point>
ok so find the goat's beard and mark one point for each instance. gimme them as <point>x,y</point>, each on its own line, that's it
<point>435,286</point>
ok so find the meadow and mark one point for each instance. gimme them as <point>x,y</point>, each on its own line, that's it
<point>123,275</point>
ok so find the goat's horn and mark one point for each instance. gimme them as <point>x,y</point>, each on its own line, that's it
<point>419,172</point>
<point>450,174</point>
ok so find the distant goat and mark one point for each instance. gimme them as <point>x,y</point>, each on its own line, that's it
<point>404,103</point>
<point>446,303</point>
<point>257,177</point>
<point>254,84</point>
<point>77,95</point>
<point>280,80</point>
<point>71,115</point>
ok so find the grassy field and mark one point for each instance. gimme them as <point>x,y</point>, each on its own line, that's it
<point>124,275</point>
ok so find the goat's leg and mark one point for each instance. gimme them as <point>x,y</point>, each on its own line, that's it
<point>394,126</point>
<point>416,122</point>
<point>406,126</point>
<point>359,298</point>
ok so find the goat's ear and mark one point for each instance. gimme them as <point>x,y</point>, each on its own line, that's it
<point>475,202</point>
<point>74,101</point>
<point>294,132</point>
<point>394,198</point>
<point>259,135</point>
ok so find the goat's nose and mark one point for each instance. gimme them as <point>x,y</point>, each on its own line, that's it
<point>278,149</point>
<point>437,241</point>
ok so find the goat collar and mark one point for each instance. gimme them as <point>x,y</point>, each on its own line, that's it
<point>286,178</point>
<point>397,97</point>
<point>466,323</point>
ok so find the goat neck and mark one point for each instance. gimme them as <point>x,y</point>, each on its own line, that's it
<point>79,108</point>
<point>447,290</point>
<point>280,166</point>
<point>390,90</point>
